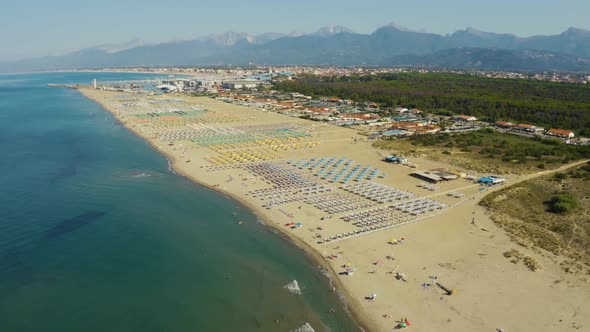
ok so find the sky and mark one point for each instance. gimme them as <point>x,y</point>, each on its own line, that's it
<point>33,28</point>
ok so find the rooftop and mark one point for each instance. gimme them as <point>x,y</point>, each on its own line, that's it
<point>559,132</point>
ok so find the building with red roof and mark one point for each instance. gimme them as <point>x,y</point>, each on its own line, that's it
<point>504,124</point>
<point>560,133</point>
<point>526,127</point>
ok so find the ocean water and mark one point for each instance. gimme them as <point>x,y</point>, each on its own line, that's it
<point>96,233</point>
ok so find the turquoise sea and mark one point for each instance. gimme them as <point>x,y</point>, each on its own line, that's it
<point>97,234</point>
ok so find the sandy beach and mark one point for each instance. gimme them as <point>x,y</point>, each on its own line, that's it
<point>385,234</point>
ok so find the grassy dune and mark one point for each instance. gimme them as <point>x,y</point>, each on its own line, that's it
<point>524,211</point>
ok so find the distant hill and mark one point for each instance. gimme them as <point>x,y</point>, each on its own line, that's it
<point>495,59</point>
<point>472,37</point>
<point>572,41</point>
<point>390,44</point>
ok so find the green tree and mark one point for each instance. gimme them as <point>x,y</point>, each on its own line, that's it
<point>562,203</point>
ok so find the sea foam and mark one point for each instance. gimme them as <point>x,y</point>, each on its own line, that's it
<point>293,287</point>
<point>305,328</point>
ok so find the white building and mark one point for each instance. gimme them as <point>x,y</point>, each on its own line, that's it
<point>466,118</point>
<point>240,84</point>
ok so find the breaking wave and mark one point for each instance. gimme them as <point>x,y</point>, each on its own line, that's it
<point>304,328</point>
<point>293,287</point>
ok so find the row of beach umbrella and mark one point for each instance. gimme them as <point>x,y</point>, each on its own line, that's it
<point>377,192</point>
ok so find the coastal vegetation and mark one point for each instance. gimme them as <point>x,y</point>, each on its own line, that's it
<point>562,203</point>
<point>516,256</point>
<point>547,104</point>
<point>551,213</point>
<point>489,150</point>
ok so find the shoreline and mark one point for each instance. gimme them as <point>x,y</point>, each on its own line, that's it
<point>471,259</point>
<point>309,252</point>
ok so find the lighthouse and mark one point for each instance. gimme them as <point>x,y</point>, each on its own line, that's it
<point>94,83</point>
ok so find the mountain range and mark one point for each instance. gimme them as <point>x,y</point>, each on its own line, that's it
<point>389,45</point>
